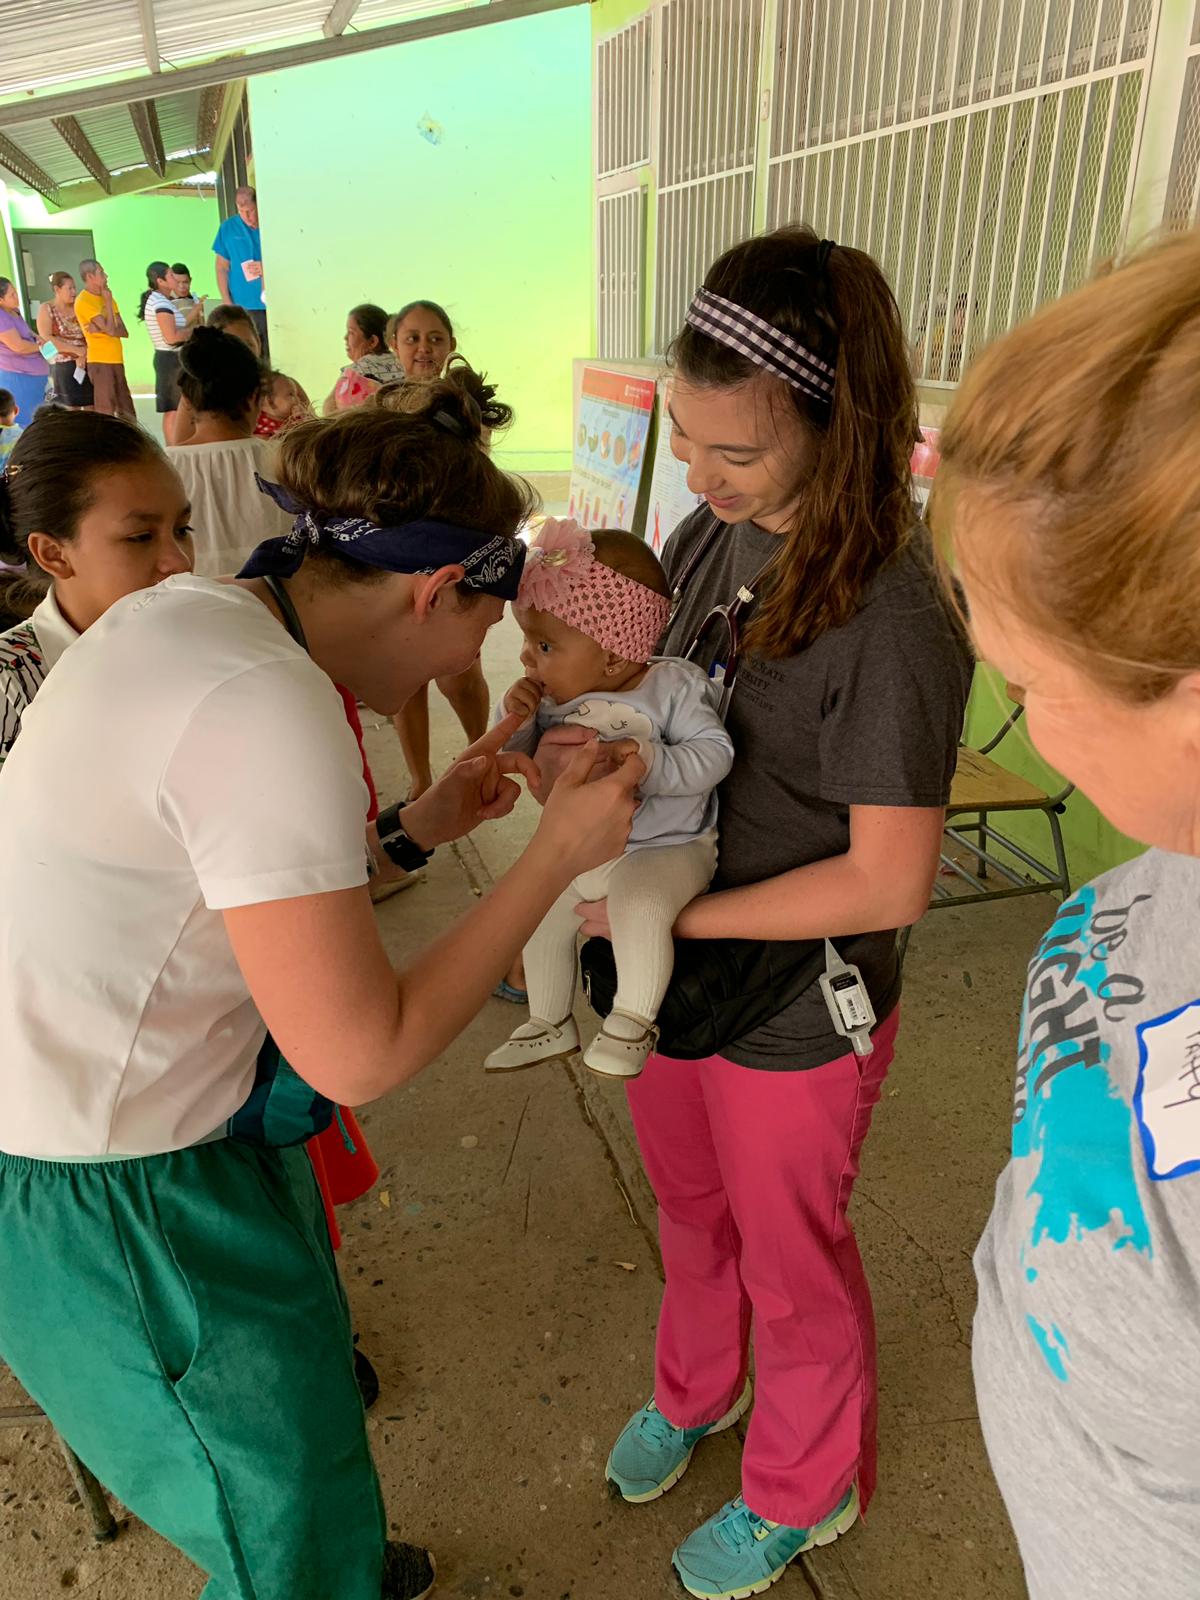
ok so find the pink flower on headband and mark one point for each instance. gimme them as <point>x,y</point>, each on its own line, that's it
<point>558,558</point>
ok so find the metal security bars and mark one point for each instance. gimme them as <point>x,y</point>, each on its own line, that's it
<point>620,252</point>
<point>708,71</point>
<point>982,152</point>
<point>622,124</point>
<point>986,152</point>
<point>1182,207</point>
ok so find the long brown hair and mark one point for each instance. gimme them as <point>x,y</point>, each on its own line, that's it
<point>1069,481</point>
<point>855,507</point>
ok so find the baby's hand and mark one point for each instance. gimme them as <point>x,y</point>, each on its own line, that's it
<point>523,699</point>
<point>619,751</point>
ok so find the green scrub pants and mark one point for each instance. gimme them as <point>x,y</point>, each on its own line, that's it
<point>180,1319</point>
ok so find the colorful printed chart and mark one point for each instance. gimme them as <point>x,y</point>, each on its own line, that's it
<point>925,459</point>
<point>670,498</point>
<point>613,426</point>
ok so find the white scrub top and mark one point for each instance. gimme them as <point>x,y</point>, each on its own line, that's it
<point>184,756</point>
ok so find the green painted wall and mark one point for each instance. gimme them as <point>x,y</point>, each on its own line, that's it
<point>493,219</point>
<point>130,232</point>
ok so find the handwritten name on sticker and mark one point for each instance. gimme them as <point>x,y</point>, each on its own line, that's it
<point>1167,1099</point>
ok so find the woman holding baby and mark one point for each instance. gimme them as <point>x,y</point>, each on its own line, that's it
<point>804,584</point>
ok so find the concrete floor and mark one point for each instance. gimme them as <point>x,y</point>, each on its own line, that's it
<point>505,1282</point>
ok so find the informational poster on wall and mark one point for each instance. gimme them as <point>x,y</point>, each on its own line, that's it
<point>925,459</point>
<point>612,430</point>
<point>670,498</point>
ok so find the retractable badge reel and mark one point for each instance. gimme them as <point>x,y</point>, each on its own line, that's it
<point>849,1004</point>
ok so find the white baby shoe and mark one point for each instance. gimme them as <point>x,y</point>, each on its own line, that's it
<point>620,1049</point>
<point>533,1042</point>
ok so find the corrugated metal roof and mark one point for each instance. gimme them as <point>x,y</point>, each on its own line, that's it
<point>74,43</point>
<point>45,145</point>
<point>68,41</point>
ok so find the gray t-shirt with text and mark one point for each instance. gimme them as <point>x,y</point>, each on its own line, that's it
<point>1087,1336</point>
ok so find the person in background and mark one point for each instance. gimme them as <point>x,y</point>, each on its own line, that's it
<point>422,337</point>
<point>371,365</point>
<point>58,325</point>
<point>183,296</point>
<point>1068,500</point>
<point>221,460</point>
<point>282,403</point>
<point>237,321</point>
<point>169,327</point>
<point>23,368</point>
<point>225,319</point>
<point>10,432</point>
<point>238,251</point>
<point>100,318</point>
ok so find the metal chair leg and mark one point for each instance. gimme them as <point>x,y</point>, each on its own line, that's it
<point>91,1494</point>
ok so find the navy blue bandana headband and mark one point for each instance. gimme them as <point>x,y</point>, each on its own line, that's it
<point>491,563</point>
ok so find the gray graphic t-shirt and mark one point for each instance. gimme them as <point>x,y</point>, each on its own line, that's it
<point>1087,1337</point>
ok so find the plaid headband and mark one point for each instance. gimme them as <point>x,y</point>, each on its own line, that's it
<point>732,325</point>
<point>491,563</point>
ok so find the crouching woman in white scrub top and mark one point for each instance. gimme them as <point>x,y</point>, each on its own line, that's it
<point>182,861</point>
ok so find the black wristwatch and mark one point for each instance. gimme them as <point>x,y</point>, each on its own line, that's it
<point>397,846</point>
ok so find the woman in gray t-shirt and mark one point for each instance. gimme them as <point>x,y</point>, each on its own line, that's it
<point>793,406</point>
<point>1071,452</point>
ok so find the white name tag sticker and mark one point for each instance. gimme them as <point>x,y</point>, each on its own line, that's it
<point>1166,1101</point>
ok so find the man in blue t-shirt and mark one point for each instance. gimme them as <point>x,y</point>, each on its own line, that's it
<point>238,249</point>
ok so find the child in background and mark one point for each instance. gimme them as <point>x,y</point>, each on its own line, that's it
<point>592,610</point>
<point>9,431</point>
<point>282,404</point>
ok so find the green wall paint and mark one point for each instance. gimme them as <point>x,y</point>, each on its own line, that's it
<point>130,232</point>
<point>493,221</point>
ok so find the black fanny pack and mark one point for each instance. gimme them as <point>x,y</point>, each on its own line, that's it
<point>721,990</point>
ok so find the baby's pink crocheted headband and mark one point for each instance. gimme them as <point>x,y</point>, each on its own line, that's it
<point>563,576</point>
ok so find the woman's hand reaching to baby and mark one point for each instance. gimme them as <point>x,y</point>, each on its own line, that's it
<point>586,820</point>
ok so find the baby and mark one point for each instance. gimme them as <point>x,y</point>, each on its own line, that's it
<point>592,610</point>
<point>282,403</point>
<point>9,431</point>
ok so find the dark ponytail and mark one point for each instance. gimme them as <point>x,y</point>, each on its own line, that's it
<point>155,273</point>
<point>48,486</point>
<point>219,374</point>
<point>417,457</point>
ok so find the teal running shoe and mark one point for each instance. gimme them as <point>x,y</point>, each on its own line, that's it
<point>737,1554</point>
<point>651,1455</point>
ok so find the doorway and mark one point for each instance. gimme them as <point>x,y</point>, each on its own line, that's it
<point>40,254</point>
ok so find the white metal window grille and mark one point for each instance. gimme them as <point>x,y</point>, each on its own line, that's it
<point>620,252</point>
<point>1182,207</point>
<point>708,62</point>
<point>622,121</point>
<point>981,150</point>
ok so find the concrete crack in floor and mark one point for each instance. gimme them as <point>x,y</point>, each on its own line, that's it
<point>516,1137</point>
<point>863,1194</point>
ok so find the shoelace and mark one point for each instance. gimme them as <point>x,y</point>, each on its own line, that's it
<point>738,1527</point>
<point>655,1428</point>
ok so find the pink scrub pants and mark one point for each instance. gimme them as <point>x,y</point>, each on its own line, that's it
<point>753,1173</point>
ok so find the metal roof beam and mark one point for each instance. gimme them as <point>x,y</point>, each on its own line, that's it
<point>149,34</point>
<point>298,55</point>
<point>14,159</point>
<point>209,115</point>
<point>78,143</point>
<point>145,124</point>
<point>339,17</point>
<point>139,180</point>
